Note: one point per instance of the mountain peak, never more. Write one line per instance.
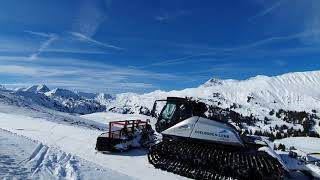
(62, 93)
(37, 89)
(213, 82)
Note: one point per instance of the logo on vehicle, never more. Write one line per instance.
(184, 127)
(223, 131)
(221, 134)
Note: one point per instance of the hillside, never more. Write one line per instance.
(58, 99)
(286, 105)
(47, 124)
(289, 101)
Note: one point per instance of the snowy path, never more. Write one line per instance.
(80, 142)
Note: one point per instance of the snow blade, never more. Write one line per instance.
(105, 144)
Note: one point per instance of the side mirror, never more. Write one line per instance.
(153, 111)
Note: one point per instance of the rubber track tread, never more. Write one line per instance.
(200, 161)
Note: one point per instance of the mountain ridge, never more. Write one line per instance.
(285, 100)
(275, 99)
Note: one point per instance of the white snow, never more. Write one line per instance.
(36, 89)
(306, 144)
(48, 143)
(62, 93)
(22, 158)
(275, 155)
(256, 97)
(80, 142)
(57, 99)
(293, 91)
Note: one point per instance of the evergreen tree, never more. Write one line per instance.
(278, 135)
(271, 113)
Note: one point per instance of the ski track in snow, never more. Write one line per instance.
(22, 158)
(54, 163)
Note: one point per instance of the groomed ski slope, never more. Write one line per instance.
(80, 142)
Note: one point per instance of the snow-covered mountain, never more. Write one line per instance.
(38, 142)
(2, 87)
(276, 100)
(294, 91)
(57, 99)
(288, 103)
(36, 89)
(62, 93)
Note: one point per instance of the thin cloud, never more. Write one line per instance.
(44, 45)
(276, 39)
(306, 14)
(42, 34)
(90, 17)
(166, 16)
(74, 50)
(268, 10)
(225, 53)
(62, 44)
(170, 61)
(162, 17)
(82, 75)
(85, 38)
(281, 63)
(183, 60)
(33, 71)
(18, 70)
(312, 22)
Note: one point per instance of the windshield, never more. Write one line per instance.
(168, 111)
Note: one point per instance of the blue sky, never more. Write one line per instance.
(140, 46)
